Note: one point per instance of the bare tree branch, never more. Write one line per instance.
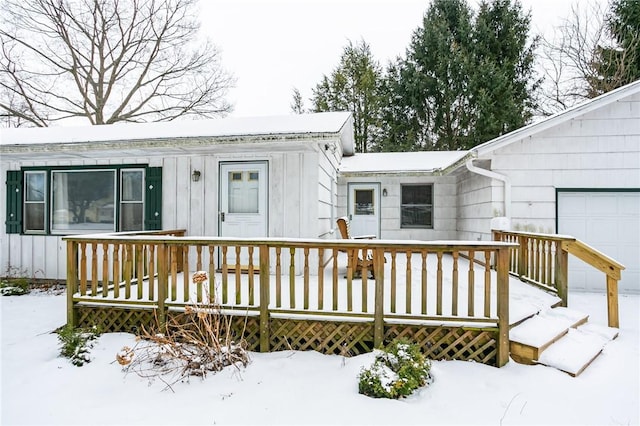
(107, 61)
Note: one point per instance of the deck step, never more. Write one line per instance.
(533, 336)
(577, 350)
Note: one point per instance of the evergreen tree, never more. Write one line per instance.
(297, 104)
(354, 86)
(465, 79)
(620, 64)
(503, 76)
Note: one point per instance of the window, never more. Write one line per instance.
(83, 200)
(131, 202)
(59, 200)
(34, 201)
(416, 208)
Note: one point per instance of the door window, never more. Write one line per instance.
(243, 191)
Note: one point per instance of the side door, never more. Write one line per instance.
(243, 203)
(364, 208)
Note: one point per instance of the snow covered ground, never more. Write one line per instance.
(289, 387)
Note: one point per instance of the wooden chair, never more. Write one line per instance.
(355, 261)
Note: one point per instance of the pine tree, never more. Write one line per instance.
(466, 79)
(297, 104)
(354, 86)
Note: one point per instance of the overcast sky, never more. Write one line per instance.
(272, 46)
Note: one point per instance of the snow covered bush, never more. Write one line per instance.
(76, 342)
(14, 286)
(396, 372)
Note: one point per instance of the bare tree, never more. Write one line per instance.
(107, 61)
(582, 59)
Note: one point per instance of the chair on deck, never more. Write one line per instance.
(355, 261)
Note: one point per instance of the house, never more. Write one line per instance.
(576, 173)
(231, 177)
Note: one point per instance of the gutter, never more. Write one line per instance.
(498, 176)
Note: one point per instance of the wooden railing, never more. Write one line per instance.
(542, 259)
(414, 281)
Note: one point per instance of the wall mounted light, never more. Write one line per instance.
(384, 192)
(195, 176)
(328, 146)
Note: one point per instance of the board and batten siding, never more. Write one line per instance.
(293, 188)
(444, 204)
(600, 149)
(328, 160)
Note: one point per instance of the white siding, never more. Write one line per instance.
(479, 199)
(300, 200)
(444, 205)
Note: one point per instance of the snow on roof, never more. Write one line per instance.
(558, 118)
(388, 162)
(326, 122)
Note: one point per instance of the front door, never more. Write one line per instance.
(243, 203)
(364, 208)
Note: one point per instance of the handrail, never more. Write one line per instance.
(541, 259)
(420, 282)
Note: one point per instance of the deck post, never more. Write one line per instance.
(502, 271)
(72, 281)
(265, 338)
(612, 302)
(378, 314)
(561, 273)
(163, 269)
(522, 255)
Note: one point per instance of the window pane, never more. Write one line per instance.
(416, 194)
(132, 185)
(416, 216)
(364, 202)
(83, 200)
(34, 217)
(35, 186)
(243, 194)
(131, 217)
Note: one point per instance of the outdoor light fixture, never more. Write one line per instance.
(384, 192)
(328, 147)
(195, 176)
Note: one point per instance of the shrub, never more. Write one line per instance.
(14, 286)
(76, 342)
(396, 372)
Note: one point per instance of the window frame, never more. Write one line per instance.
(49, 170)
(430, 206)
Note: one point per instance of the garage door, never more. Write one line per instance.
(608, 221)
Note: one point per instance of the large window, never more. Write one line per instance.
(61, 201)
(416, 209)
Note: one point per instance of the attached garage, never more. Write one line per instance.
(608, 220)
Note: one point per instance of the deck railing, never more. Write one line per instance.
(415, 282)
(542, 259)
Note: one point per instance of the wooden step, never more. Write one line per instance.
(577, 350)
(530, 339)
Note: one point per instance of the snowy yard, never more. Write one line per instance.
(38, 387)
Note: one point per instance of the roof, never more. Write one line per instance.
(558, 119)
(336, 123)
(400, 162)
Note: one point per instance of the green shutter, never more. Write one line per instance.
(153, 199)
(14, 201)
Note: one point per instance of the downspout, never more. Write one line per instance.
(498, 176)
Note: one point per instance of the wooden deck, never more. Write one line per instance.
(302, 294)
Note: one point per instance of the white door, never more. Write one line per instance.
(243, 204)
(609, 222)
(364, 208)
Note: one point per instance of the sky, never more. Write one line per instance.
(274, 46)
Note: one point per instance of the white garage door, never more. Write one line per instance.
(610, 222)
